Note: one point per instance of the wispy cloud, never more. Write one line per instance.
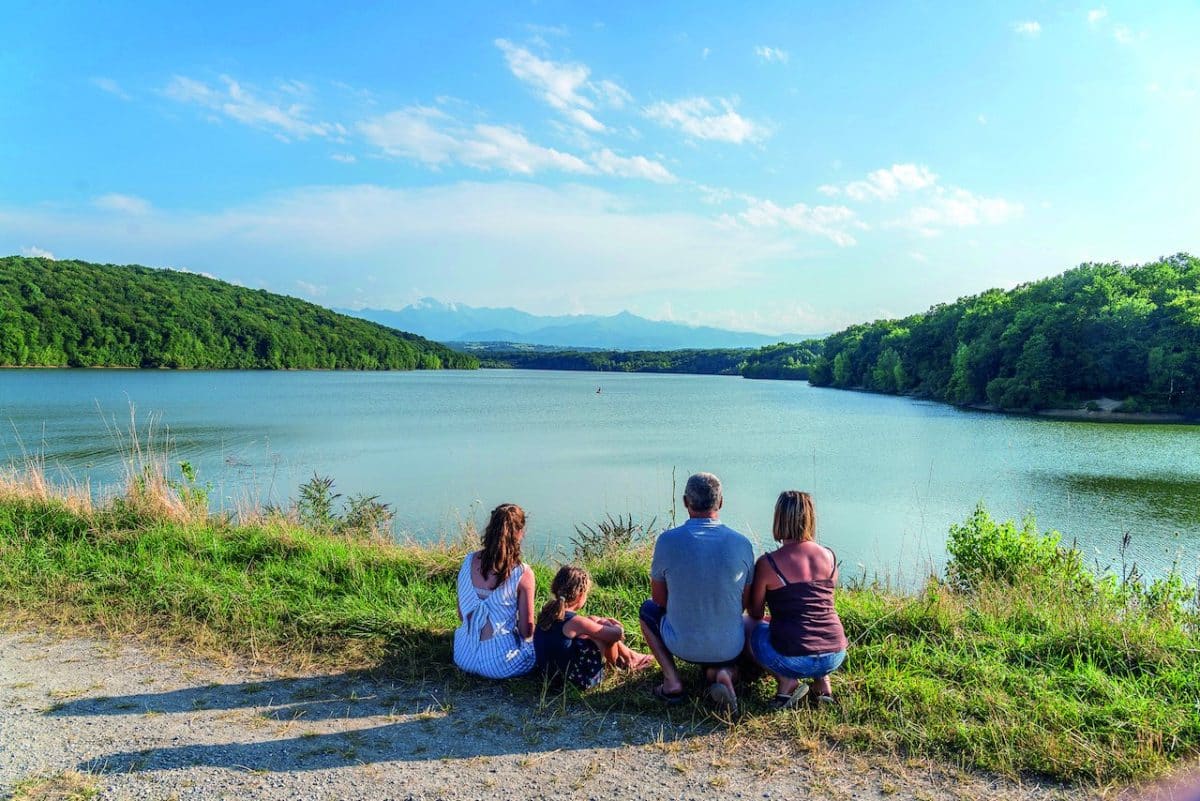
(610, 163)
(1029, 28)
(344, 158)
(565, 242)
(831, 222)
(1123, 34)
(312, 290)
(884, 184)
(110, 86)
(1096, 14)
(934, 207)
(244, 104)
(122, 204)
(432, 137)
(772, 54)
(953, 207)
(701, 118)
(34, 252)
(564, 86)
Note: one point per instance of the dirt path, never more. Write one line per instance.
(134, 723)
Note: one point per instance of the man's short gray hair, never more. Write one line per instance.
(703, 492)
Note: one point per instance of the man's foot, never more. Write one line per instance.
(670, 698)
(723, 697)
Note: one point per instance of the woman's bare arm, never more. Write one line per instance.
(525, 594)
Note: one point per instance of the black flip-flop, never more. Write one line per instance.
(670, 699)
(785, 701)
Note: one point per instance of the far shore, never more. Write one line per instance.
(1105, 414)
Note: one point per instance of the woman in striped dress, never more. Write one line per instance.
(495, 602)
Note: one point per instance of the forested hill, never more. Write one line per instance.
(1098, 330)
(76, 314)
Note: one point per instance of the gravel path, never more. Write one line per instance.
(142, 724)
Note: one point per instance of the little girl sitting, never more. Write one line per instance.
(578, 647)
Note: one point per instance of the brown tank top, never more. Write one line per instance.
(803, 620)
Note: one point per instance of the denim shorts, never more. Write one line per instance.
(791, 667)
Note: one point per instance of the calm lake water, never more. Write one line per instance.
(889, 474)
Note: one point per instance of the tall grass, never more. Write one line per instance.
(1018, 660)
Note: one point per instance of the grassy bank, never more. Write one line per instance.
(1017, 661)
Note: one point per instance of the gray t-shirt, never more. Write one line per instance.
(705, 565)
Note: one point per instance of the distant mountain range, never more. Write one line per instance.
(456, 322)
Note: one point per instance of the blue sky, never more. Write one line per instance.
(780, 167)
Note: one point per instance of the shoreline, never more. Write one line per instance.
(1079, 414)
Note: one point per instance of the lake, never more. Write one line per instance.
(889, 474)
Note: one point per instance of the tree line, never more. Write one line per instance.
(78, 314)
(1126, 332)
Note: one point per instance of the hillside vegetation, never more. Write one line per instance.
(1129, 333)
(77, 314)
(1098, 330)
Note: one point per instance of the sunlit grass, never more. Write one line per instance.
(1038, 673)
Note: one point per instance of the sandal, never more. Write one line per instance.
(821, 701)
(785, 701)
(670, 699)
(722, 697)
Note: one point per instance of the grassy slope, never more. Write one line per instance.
(1058, 682)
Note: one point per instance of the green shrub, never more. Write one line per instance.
(980, 548)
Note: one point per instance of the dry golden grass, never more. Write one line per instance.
(66, 786)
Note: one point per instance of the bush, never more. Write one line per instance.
(980, 549)
(611, 535)
(361, 516)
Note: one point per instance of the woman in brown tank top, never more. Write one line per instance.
(803, 638)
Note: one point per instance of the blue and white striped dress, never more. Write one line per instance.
(505, 654)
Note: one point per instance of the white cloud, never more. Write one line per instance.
(243, 105)
(699, 117)
(1030, 28)
(110, 86)
(1123, 34)
(507, 149)
(610, 163)
(35, 252)
(705, 53)
(312, 290)
(1096, 14)
(827, 221)
(432, 137)
(934, 207)
(122, 204)
(585, 120)
(344, 158)
(885, 184)
(954, 207)
(564, 86)
(481, 243)
(772, 54)
(613, 94)
(982, 119)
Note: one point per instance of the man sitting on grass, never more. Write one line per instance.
(699, 580)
